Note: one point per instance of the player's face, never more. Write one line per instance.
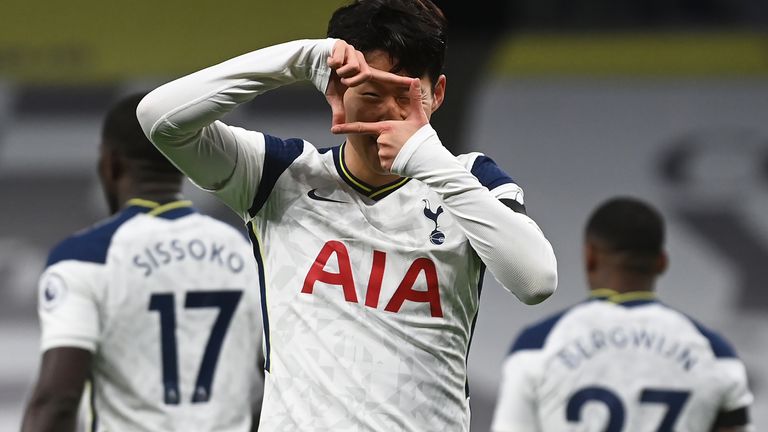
(373, 101)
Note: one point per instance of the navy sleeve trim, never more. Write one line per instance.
(278, 156)
(535, 336)
(489, 174)
(720, 347)
(92, 244)
(738, 417)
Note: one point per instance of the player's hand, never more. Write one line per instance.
(349, 69)
(392, 134)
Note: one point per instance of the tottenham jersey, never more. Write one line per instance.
(166, 300)
(620, 363)
(369, 294)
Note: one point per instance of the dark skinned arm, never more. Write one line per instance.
(54, 403)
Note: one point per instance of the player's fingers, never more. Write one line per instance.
(351, 63)
(337, 117)
(336, 59)
(337, 112)
(417, 109)
(364, 74)
(390, 78)
(375, 128)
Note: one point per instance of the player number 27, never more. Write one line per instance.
(226, 302)
(673, 399)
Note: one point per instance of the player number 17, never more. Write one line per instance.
(226, 302)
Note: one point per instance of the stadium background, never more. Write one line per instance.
(666, 100)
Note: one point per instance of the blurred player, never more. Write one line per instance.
(372, 253)
(156, 306)
(622, 361)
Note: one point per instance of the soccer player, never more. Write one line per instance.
(157, 307)
(371, 253)
(622, 361)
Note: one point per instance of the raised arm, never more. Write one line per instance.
(509, 243)
(182, 117)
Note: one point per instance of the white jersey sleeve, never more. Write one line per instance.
(498, 182)
(181, 117)
(517, 394)
(738, 394)
(509, 243)
(68, 305)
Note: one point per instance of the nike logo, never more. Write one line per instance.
(313, 194)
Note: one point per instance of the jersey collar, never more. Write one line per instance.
(632, 298)
(373, 192)
(169, 210)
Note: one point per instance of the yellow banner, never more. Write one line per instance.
(625, 54)
(80, 41)
(90, 41)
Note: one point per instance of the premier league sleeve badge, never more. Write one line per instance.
(53, 291)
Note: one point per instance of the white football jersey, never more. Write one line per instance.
(167, 301)
(370, 303)
(369, 294)
(620, 363)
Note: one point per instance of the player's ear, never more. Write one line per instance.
(110, 165)
(590, 257)
(438, 93)
(103, 166)
(662, 262)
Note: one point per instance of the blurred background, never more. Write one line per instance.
(578, 100)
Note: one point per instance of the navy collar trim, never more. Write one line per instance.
(373, 192)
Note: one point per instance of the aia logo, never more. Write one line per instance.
(422, 268)
(436, 236)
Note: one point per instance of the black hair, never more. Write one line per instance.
(122, 134)
(630, 227)
(412, 32)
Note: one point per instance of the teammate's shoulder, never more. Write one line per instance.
(90, 244)
(720, 346)
(534, 336)
(183, 212)
(222, 228)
